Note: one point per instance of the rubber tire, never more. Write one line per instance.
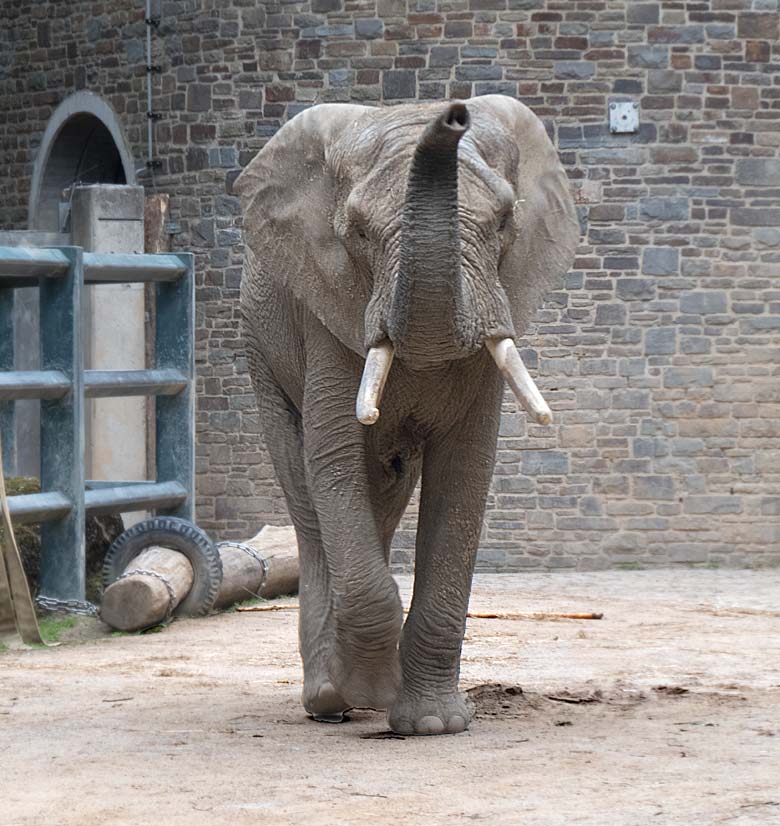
(179, 535)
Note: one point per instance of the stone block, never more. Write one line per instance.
(660, 261)
(369, 28)
(675, 34)
(704, 302)
(713, 504)
(644, 13)
(616, 156)
(655, 487)
(661, 341)
(631, 399)
(664, 80)
(399, 83)
(627, 86)
(695, 345)
(770, 506)
(495, 87)
(758, 171)
(574, 69)
(607, 212)
(635, 289)
(250, 99)
(610, 314)
(544, 462)
(767, 237)
(687, 552)
(444, 56)
(755, 217)
(585, 523)
(688, 377)
(664, 209)
(198, 97)
(721, 31)
(648, 57)
(758, 26)
(472, 72)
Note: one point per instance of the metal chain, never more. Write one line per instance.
(248, 549)
(165, 582)
(68, 606)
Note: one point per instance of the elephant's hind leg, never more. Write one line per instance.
(316, 631)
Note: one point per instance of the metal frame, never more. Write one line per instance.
(62, 384)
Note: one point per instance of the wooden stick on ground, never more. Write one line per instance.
(536, 615)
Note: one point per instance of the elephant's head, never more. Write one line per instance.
(424, 232)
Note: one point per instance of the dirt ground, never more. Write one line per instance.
(666, 711)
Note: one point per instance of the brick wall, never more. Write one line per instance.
(659, 354)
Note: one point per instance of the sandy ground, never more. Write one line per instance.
(667, 711)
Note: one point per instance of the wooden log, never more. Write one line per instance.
(143, 600)
(245, 576)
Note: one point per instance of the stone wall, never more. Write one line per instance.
(660, 352)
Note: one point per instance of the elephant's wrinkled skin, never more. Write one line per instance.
(430, 228)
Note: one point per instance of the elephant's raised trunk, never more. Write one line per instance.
(426, 319)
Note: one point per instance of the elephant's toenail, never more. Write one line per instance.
(430, 725)
(457, 724)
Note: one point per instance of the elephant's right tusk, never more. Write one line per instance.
(514, 371)
(372, 384)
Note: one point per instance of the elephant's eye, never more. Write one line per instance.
(361, 231)
(503, 222)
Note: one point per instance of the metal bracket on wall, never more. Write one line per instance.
(623, 117)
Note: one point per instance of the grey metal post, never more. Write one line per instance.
(7, 423)
(175, 347)
(62, 432)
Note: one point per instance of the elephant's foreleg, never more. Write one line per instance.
(457, 469)
(316, 629)
(364, 665)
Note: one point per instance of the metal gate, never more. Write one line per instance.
(62, 384)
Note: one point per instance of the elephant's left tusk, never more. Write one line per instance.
(514, 371)
(372, 384)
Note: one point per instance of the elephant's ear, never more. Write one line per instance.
(289, 197)
(547, 228)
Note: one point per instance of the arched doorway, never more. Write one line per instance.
(83, 143)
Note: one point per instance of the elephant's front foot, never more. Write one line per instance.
(323, 703)
(430, 714)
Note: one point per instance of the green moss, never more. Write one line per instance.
(52, 627)
(629, 566)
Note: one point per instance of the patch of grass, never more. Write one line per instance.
(52, 627)
(3, 648)
(629, 566)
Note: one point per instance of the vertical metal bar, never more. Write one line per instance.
(7, 423)
(175, 347)
(62, 432)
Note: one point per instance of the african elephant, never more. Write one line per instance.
(394, 253)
